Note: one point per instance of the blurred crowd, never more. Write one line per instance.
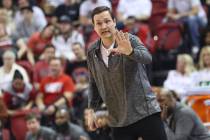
(43, 68)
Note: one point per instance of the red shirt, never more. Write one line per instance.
(14, 102)
(37, 43)
(53, 88)
(41, 70)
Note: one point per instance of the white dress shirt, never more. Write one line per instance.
(106, 52)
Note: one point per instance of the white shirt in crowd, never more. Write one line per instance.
(6, 78)
(178, 82)
(136, 8)
(37, 13)
(87, 6)
(63, 47)
(186, 5)
(201, 78)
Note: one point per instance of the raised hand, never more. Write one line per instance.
(123, 42)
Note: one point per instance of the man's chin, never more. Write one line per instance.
(107, 36)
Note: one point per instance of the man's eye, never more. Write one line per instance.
(99, 23)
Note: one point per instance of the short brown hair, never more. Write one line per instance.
(32, 116)
(99, 10)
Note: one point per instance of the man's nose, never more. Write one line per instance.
(104, 25)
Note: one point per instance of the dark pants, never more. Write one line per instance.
(149, 128)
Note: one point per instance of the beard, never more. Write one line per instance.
(63, 128)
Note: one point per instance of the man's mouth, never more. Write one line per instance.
(105, 32)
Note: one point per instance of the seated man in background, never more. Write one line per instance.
(36, 131)
(181, 122)
(41, 68)
(65, 129)
(55, 90)
(192, 14)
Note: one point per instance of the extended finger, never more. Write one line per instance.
(117, 36)
(126, 36)
(122, 35)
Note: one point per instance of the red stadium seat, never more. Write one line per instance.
(169, 36)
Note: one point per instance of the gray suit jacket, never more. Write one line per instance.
(123, 85)
(184, 124)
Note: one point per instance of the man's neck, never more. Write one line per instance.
(107, 42)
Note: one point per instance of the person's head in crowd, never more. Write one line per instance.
(56, 67)
(7, 4)
(185, 64)
(48, 31)
(130, 22)
(79, 51)
(62, 118)
(23, 3)
(167, 101)
(104, 22)
(49, 52)
(204, 58)
(27, 12)
(33, 123)
(65, 24)
(17, 81)
(8, 59)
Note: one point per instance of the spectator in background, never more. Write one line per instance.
(55, 90)
(79, 63)
(38, 14)
(86, 8)
(65, 129)
(7, 18)
(69, 8)
(201, 78)
(28, 25)
(179, 79)
(64, 41)
(18, 95)
(41, 68)
(38, 41)
(190, 13)
(78, 71)
(8, 69)
(181, 122)
(36, 131)
(7, 41)
(10, 6)
(140, 9)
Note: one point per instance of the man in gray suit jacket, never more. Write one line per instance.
(117, 77)
(181, 122)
